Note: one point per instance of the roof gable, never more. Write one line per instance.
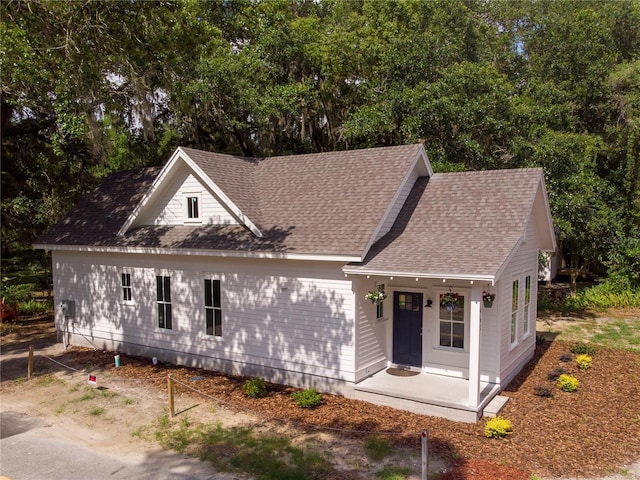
(324, 205)
(175, 167)
(458, 225)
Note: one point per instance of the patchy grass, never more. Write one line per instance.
(96, 412)
(618, 334)
(377, 447)
(270, 457)
(48, 380)
(611, 332)
(393, 473)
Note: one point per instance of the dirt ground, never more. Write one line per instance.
(591, 433)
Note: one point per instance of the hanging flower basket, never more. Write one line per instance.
(449, 300)
(376, 296)
(488, 298)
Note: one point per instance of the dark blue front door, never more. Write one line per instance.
(407, 328)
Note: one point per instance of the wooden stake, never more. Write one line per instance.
(425, 454)
(30, 362)
(171, 391)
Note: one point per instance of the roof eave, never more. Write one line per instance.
(351, 270)
(199, 252)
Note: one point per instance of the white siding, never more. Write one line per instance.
(373, 339)
(489, 341)
(523, 263)
(284, 320)
(371, 333)
(397, 206)
(168, 205)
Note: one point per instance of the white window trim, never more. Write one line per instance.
(186, 195)
(204, 333)
(526, 332)
(513, 344)
(121, 290)
(159, 329)
(466, 293)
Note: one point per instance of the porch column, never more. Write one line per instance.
(474, 346)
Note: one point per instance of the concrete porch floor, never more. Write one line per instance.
(426, 394)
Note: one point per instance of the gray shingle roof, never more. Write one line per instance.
(96, 219)
(325, 203)
(463, 224)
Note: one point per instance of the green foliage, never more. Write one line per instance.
(307, 398)
(568, 383)
(255, 388)
(34, 307)
(389, 472)
(17, 293)
(377, 447)
(482, 84)
(618, 334)
(582, 348)
(497, 427)
(584, 361)
(605, 295)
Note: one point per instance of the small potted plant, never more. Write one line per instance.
(376, 296)
(488, 298)
(449, 300)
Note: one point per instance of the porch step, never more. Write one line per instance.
(495, 405)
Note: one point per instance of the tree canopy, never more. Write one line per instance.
(90, 87)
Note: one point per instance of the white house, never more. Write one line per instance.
(261, 267)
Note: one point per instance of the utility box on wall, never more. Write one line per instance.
(68, 308)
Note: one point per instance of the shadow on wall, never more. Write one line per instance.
(288, 330)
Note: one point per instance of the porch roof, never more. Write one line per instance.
(456, 225)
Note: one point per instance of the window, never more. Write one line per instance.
(409, 302)
(192, 207)
(514, 311)
(527, 303)
(380, 305)
(163, 297)
(125, 281)
(212, 307)
(452, 324)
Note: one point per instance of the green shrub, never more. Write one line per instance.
(566, 357)
(17, 293)
(308, 398)
(567, 383)
(581, 348)
(583, 361)
(255, 388)
(497, 427)
(553, 376)
(33, 307)
(608, 294)
(542, 391)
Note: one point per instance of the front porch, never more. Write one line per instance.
(429, 394)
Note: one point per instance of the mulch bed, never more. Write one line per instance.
(593, 431)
